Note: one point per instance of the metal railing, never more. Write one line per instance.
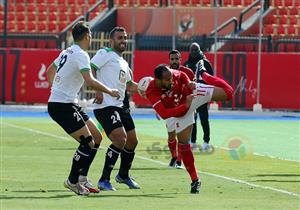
(224, 25)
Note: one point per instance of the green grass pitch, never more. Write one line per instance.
(36, 157)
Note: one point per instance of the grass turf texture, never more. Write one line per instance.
(34, 166)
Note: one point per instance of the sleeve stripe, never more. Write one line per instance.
(95, 66)
(55, 66)
(85, 70)
(156, 103)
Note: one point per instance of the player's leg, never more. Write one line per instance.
(109, 118)
(69, 118)
(203, 112)
(97, 139)
(194, 133)
(184, 129)
(128, 153)
(172, 142)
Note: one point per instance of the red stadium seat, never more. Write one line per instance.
(62, 2)
(31, 8)
(41, 26)
(1, 16)
(283, 19)
(62, 17)
(21, 26)
(11, 16)
(297, 3)
(62, 25)
(51, 44)
(92, 2)
(71, 2)
(293, 11)
(288, 3)
(280, 30)
(52, 27)
(42, 8)
(227, 3)
(31, 43)
(30, 1)
(73, 16)
(62, 10)
(11, 26)
(291, 30)
(269, 30)
(21, 17)
(80, 2)
(20, 7)
(206, 2)
(41, 44)
(40, 1)
(237, 2)
(52, 8)
(283, 11)
(31, 17)
(19, 43)
(52, 17)
(290, 47)
(1, 8)
(50, 1)
(247, 2)
(277, 3)
(42, 16)
(31, 26)
(293, 20)
(270, 19)
(11, 7)
(144, 3)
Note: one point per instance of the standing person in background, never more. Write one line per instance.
(175, 63)
(194, 57)
(112, 69)
(66, 75)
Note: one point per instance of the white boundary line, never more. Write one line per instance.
(165, 164)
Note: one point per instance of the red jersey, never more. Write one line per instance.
(170, 103)
(188, 72)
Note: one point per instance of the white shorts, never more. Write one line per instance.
(203, 95)
(170, 124)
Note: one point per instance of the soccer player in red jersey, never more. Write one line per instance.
(172, 94)
(175, 60)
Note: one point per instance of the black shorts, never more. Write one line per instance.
(69, 116)
(113, 117)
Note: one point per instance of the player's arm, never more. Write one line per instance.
(178, 111)
(51, 71)
(95, 84)
(132, 86)
(99, 94)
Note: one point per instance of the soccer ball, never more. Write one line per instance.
(143, 85)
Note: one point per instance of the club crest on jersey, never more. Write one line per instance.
(122, 76)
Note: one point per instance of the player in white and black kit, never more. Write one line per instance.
(67, 74)
(112, 70)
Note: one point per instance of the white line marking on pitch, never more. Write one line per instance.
(165, 164)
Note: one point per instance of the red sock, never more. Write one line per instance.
(172, 147)
(218, 82)
(188, 160)
(178, 153)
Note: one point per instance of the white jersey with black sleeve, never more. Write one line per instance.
(113, 71)
(68, 78)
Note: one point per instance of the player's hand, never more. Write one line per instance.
(192, 85)
(98, 98)
(115, 93)
(189, 100)
(142, 93)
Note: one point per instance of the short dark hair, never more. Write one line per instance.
(116, 29)
(159, 70)
(79, 30)
(174, 52)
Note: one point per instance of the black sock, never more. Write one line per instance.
(86, 168)
(111, 158)
(80, 159)
(126, 162)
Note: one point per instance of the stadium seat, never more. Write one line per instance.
(11, 16)
(92, 2)
(280, 30)
(42, 8)
(62, 10)
(11, 7)
(70, 2)
(52, 27)
(227, 3)
(41, 44)
(19, 43)
(297, 3)
(42, 16)
(293, 20)
(283, 19)
(73, 16)
(143, 3)
(40, 2)
(21, 26)
(283, 11)
(1, 16)
(205, 2)
(270, 19)
(62, 17)
(51, 44)
(52, 17)
(291, 30)
(269, 30)
(31, 8)
(31, 17)
(81, 2)
(293, 11)
(277, 3)
(62, 25)
(11, 26)
(61, 2)
(30, 1)
(20, 8)
(21, 16)
(50, 1)
(41, 26)
(52, 8)
(288, 3)
(31, 26)
(31, 43)
(1, 8)
(237, 2)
